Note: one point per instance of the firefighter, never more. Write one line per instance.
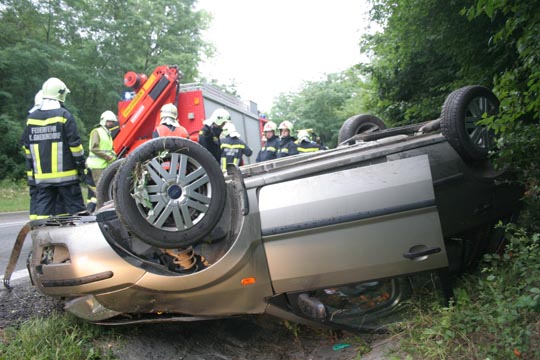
(168, 125)
(304, 144)
(101, 154)
(55, 153)
(211, 130)
(287, 145)
(271, 142)
(32, 189)
(232, 147)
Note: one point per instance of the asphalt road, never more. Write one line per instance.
(10, 224)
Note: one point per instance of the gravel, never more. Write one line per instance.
(247, 337)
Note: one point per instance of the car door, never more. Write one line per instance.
(353, 225)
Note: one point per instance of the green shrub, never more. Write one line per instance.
(496, 314)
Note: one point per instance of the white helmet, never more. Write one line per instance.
(270, 126)
(169, 115)
(220, 116)
(55, 89)
(303, 135)
(107, 116)
(230, 129)
(38, 98)
(286, 125)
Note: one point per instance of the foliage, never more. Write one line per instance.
(518, 86)
(427, 50)
(89, 45)
(496, 314)
(322, 105)
(57, 337)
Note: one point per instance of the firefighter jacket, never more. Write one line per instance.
(169, 130)
(101, 148)
(53, 147)
(209, 138)
(269, 150)
(306, 146)
(287, 147)
(232, 149)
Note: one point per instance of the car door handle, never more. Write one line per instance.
(421, 252)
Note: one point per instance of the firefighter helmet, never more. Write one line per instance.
(168, 115)
(220, 116)
(169, 110)
(286, 125)
(55, 89)
(270, 126)
(107, 116)
(230, 129)
(38, 98)
(303, 135)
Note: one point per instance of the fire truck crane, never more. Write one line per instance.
(139, 116)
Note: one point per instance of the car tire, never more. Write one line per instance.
(359, 124)
(104, 188)
(460, 112)
(170, 192)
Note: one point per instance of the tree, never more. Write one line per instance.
(322, 105)
(90, 45)
(427, 49)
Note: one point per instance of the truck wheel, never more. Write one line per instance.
(170, 192)
(104, 188)
(359, 124)
(461, 111)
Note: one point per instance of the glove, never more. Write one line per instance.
(81, 170)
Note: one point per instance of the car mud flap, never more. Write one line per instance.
(15, 253)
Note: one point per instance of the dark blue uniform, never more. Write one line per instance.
(209, 138)
(232, 150)
(287, 147)
(269, 150)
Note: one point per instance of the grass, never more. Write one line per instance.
(56, 337)
(14, 196)
(496, 314)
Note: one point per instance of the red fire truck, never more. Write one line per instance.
(139, 115)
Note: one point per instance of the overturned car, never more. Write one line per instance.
(323, 238)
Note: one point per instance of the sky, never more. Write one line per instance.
(268, 47)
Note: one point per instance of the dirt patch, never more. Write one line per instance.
(246, 337)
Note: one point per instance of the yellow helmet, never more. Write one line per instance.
(55, 89)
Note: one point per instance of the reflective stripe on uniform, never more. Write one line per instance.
(305, 150)
(233, 146)
(50, 121)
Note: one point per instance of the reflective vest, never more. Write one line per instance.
(164, 130)
(53, 146)
(105, 145)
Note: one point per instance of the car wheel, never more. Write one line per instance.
(359, 124)
(170, 192)
(460, 114)
(104, 188)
